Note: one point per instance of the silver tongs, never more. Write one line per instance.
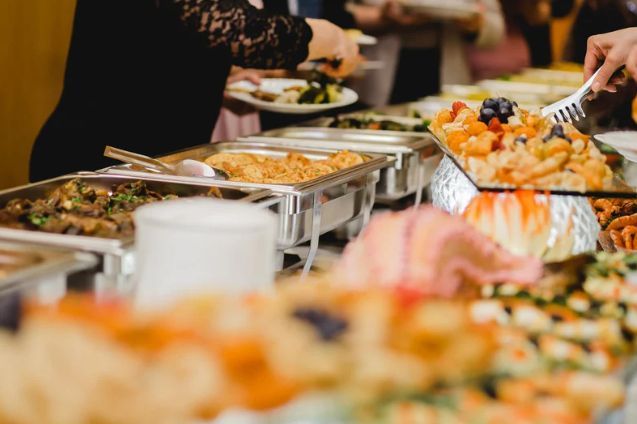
(185, 168)
(570, 108)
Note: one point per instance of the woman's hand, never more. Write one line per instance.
(240, 74)
(332, 43)
(613, 50)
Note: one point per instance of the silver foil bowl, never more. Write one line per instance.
(452, 191)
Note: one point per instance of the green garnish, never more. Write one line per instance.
(125, 197)
(37, 219)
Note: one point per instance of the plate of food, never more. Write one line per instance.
(501, 146)
(373, 121)
(293, 96)
(447, 10)
(361, 38)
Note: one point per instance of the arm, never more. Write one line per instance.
(258, 39)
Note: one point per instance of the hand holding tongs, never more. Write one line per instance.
(570, 108)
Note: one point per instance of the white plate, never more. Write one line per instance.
(241, 91)
(449, 9)
(625, 142)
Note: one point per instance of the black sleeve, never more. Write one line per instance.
(336, 12)
(255, 38)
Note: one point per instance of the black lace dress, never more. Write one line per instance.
(149, 75)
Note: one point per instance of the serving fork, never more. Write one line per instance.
(570, 109)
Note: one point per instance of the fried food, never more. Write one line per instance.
(503, 145)
(618, 219)
(294, 168)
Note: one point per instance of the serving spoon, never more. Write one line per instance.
(184, 168)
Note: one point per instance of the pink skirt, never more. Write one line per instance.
(510, 56)
(230, 126)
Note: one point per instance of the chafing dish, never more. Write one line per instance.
(306, 210)
(415, 154)
(29, 267)
(116, 255)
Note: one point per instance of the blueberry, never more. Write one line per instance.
(502, 100)
(327, 326)
(507, 104)
(505, 111)
(521, 139)
(487, 114)
(490, 104)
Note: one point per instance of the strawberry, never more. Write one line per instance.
(458, 106)
(495, 125)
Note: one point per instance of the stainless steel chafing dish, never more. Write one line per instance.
(306, 210)
(116, 255)
(43, 270)
(415, 154)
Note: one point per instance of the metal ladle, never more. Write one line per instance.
(185, 168)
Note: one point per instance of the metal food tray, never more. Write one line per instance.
(374, 116)
(619, 187)
(306, 210)
(415, 154)
(117, 260)
(24, 265)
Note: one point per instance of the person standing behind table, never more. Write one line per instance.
(527, 41)
(608, 111)
(534, 20)
(598, 17)
(345, 14)
(149, 75)
(434, 55)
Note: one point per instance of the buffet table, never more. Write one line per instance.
(502, 308)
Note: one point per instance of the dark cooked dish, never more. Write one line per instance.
(77, 208)
(377, 124)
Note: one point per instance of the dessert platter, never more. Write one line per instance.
(501, 146)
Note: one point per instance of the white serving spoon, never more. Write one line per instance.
(185, 168)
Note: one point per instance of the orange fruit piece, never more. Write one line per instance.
(477, 128)
(455, 139)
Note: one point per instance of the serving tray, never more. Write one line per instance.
(619, 188)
